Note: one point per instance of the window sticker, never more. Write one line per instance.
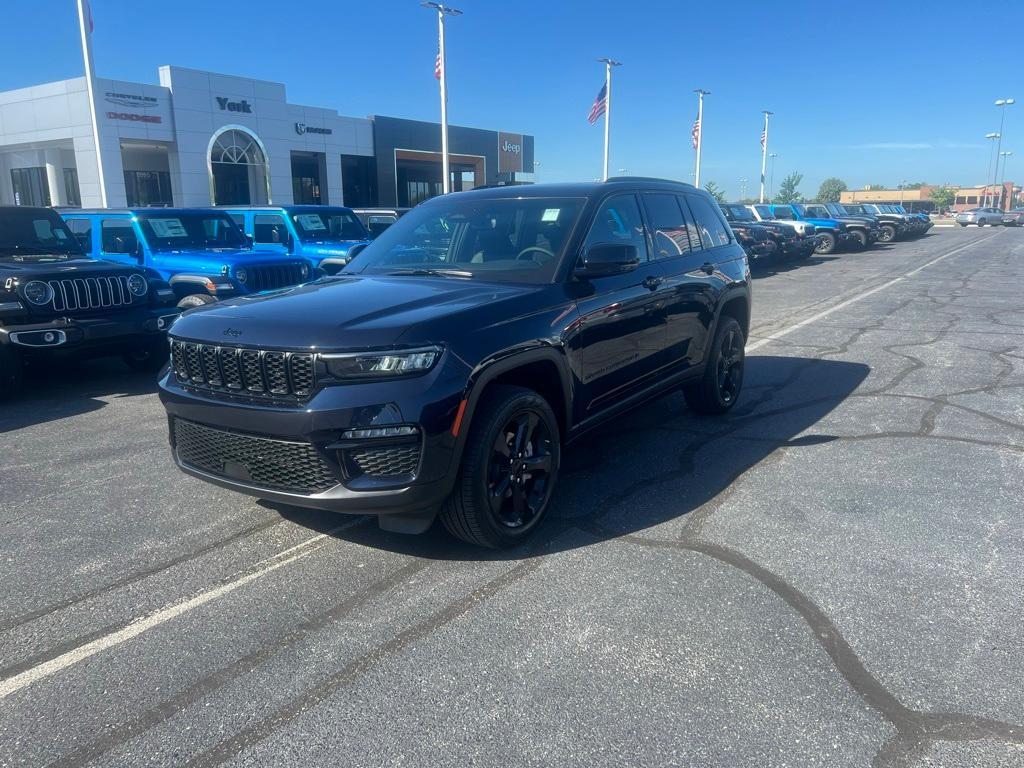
(311, 222)
(168, 228)
(550, 214)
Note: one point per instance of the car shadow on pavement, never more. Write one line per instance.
(656, 464)
(65, 388)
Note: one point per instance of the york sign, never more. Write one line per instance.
(510, 152)
(227, 105)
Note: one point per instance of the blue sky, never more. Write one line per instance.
(853, 97)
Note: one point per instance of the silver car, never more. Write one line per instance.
(1014, 218)
(980, 216)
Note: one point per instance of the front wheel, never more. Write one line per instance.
(149, 356)
(719, 388)
(888, 233)
(508, 472)
(826, 243)
(11, 372)
(861, 238)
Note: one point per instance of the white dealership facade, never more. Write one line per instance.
(201, 138)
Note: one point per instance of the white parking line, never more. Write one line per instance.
(854, 299)
(146, 623)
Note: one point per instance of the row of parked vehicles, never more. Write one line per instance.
(796, 231)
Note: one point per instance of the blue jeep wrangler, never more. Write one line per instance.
(830, 233)
(328, 236)
(200, 252)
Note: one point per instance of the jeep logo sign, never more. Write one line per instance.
(227, 105)
(510, 153)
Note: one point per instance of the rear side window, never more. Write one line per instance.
(618, 221)
(712, 228)
(268, 228)
(117, 236)
(668, 226)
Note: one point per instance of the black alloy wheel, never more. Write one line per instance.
(862, 239)
(719, 389)
(509, 469)
(888, 233)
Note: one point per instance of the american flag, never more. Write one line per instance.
(600, 105)
(695, 133)
(764, 137)
(437, 65)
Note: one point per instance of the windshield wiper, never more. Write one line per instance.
(34, 250)
(431, 272)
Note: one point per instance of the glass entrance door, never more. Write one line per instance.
(30, 186)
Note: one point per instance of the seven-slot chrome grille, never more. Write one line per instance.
(270, 276)
(258, 373)
(80, 294)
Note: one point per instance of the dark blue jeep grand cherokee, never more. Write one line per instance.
(445, 368)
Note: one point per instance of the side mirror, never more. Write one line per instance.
(289, 242)
(248, 240)
(606, 259)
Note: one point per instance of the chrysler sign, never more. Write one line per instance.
(510, 153)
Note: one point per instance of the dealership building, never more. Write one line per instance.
(201, 138)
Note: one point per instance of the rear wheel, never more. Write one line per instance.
(148, 356)
(719, 388)
(196, 300)
(888, 233)
(11, 372)
(826, 243)
(508, 472)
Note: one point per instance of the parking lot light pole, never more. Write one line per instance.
(1002, 104)
(988, 173)
(1002, 178)
(771, 176)
(442, 11)
(608, 64)
(764, 150)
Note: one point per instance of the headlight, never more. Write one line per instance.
(241, 275)
(38, 292)
(137, 285)
(304, 271)
(365, 365)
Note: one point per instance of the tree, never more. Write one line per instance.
(943, 197)
(913, 185)
(876, 187)
(830, 190)
(788, 192)
(716, 192)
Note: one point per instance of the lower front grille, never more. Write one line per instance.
(387, 461)
(264, 462)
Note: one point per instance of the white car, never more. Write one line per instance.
(980, 216)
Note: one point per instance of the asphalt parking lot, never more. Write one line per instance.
(833, 575)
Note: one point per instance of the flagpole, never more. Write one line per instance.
(442, 11)
(84, 26)
(764, 152)
(700, 133)
(608, 64)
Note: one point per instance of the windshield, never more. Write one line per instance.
(28, 233)
(328, 226)
(191, 231)
(737, 213)
(507, 240)
(783, 212)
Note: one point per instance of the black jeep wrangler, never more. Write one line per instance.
(56, 300)
(446, 374)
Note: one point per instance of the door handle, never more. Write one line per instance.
(707, 268)
(651, 282)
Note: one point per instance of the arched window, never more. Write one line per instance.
(239, 173)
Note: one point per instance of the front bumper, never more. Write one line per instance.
(86, 333)
(255, 446)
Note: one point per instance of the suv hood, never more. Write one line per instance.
(326, 250)
(64, 268)
(342, 312)
(232, 257)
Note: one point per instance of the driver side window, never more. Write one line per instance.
(618, 221)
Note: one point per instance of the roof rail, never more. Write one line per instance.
(647, 178)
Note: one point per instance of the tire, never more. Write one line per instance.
(862, 240)
(719, 388)
(962, 224)
(826, 244)
(888, 233)
(981, 223)
(11, 372)
(475, 512)
(196, 300)
(149, 356)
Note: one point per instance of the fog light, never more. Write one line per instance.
(375, 432)
(49, 337)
